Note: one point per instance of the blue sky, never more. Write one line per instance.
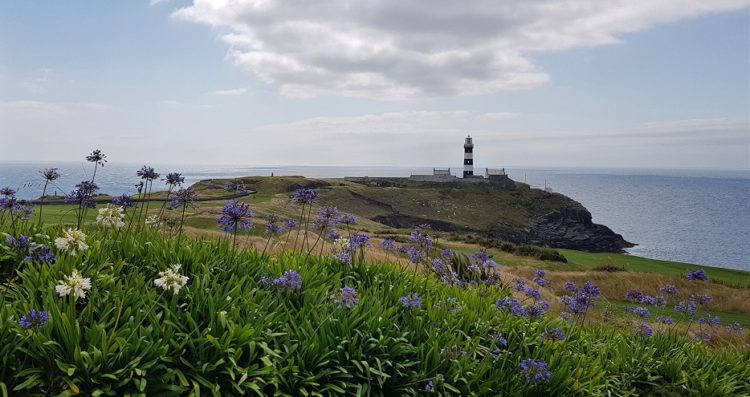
(395, 83)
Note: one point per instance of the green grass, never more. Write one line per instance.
(226, 333)
(587, 260)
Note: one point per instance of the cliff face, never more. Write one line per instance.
(514, 213)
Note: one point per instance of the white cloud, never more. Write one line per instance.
(230, 92)
(30, 110)
(393, 49)
(155, 2)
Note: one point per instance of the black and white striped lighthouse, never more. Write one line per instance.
(468, 157)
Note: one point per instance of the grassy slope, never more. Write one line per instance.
(227, 334)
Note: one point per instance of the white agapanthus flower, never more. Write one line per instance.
(342, 244)
(111, 216)
(74, 285)
(73, 241)
(171, 278)
(152, 221)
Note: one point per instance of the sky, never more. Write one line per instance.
(577, 83)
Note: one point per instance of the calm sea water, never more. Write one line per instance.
(689, 216)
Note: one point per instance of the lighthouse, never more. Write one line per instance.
(468, 158)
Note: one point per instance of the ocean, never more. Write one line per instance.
(698, 217)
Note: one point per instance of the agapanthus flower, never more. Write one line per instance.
(712, 321)
(124, 201)
(291, 224)
(73, 285)
(304, 195)
(535, 371)
(537, 310)
(411, 301)
(344, 257)
(634, 296)
(235, 216)
(183, 197)
(40, 253)
(430, 386)
(174, 179)
(689, 308)
(511, 305)
(532, 293)
(34, 319)
(348, 219)
(415, 255)
(72, 241)
(83, 194)
(501, 340)
(50, 174)
(359, 240)
(333, 235)
(735, 328)
(553, 334)
(703, 299)
(346, 298)
(570, 287)
(273, 225)
(639, 311)
(139, 187)
(111, 216)
(147, 173)
(702, 336)
(171, 279)
(439, 266)
(22, 243)
(7, 191)
(520, 285)
(288, 282)
(669, 289)
(326, 217)
(153, 221)
(539, 279)
(447, 253)
(21, 211)
(582, 299)
(97, 157)
(697, 275)
(644, 329)
(420, 238)
(665, 320)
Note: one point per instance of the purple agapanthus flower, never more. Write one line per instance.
(510, 305)
(34, 319)
(439, 266)
(291, 224)
(147, 173)
(689, 308)
(581, 299)
(388, 245)
(346, 298)
(411, 301)
(570, 287)
(553, 334)
(288, 282)
(304, 195)
(669, 289)
(22, 243)
(343, 257)
(348, 219)
(327, 217)
(124, 201)
(703, 299)
(665, 320)
(183, 198)
(639, 311)
(535, 371)
(448, 254)
(273, 225)
(537, 310)
(430, 386)
(97, 157)
(645, 330)
(697, 275)
(83, 194)
(40, 253)
(7, 191)
(712, 321)
(235, 216)
(539, 279)
(333, 234)
(634, 296)
(359, 240)
(735, 328)
(174, 179)
(420, 238)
